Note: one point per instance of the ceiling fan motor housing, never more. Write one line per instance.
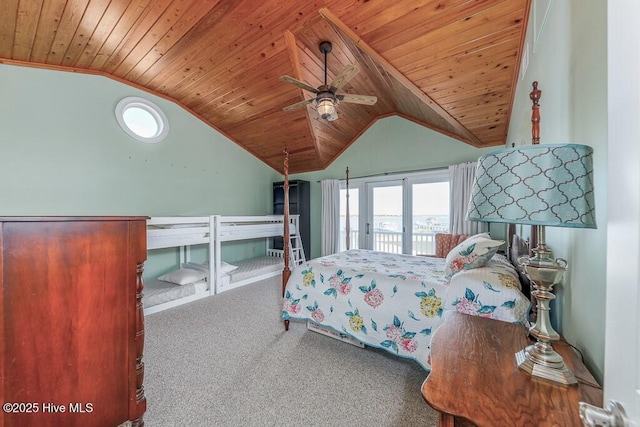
(325, 47)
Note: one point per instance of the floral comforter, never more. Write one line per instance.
(396, 302)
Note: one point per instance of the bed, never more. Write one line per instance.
(191, 280)
(235, 228)
(183, 284)
(396, 302)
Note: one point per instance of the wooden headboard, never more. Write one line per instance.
(519, 246)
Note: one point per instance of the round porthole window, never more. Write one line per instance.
(142, 119)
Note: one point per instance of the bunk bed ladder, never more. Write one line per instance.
(296, 250)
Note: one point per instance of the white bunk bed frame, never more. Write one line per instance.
(184, 232)
(234, 228)
(180, 232)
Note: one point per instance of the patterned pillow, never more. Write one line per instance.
(474, 252)
(492, 291)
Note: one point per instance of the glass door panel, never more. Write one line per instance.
(385, 217)
(430, 215)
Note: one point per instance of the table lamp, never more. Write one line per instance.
(541, 185)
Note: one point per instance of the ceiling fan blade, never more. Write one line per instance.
(298, 83)
(344, 76)
(298, 104)
(357, 99)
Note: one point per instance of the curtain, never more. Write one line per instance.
(330, 216)
(461, 179)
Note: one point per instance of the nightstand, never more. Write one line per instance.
(474, 379)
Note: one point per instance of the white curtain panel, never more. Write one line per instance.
(461, 179)
(330, 216)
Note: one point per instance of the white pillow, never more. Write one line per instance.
(225, 267)
(183, 276)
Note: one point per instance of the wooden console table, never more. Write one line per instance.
(474, 379)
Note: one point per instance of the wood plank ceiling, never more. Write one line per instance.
(450, 65)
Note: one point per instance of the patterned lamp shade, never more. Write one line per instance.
(546, 184)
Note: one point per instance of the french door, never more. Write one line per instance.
(385, 228)
(402, 214)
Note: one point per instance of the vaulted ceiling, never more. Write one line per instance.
(449, 65)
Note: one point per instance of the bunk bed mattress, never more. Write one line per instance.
(254, 267)
(157, 292)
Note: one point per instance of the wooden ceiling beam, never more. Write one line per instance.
(345, 31)
(292, 49)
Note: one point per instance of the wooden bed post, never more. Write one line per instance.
(535, 114)
(347, 224)
(286, 272)
(535, 140)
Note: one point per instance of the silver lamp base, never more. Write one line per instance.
(554, 371)
(540, 359)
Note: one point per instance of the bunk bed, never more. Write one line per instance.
(177, 232)
(193, 280)
(244, 272)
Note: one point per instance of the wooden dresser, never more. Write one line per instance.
(71, 321)
(474, 379)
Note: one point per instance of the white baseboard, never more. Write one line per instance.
(233, 285)
(175, 303)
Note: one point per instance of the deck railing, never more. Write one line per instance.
(391, 241)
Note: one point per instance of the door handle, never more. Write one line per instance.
(613, 415)
(367, 228)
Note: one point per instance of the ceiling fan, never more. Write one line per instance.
(327, 96)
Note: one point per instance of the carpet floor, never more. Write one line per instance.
(226, 360)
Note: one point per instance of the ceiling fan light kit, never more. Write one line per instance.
(326, 108)
(327, 98)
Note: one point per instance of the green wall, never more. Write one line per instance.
(392, 144)
(568, 58)
(62, 152)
